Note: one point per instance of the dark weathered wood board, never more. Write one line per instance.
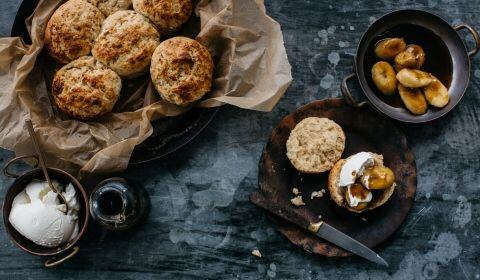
(364, 130)
(201, 223)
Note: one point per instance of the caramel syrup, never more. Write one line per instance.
(438, 60)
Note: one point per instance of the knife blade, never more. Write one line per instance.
(344, 241)
(319, 228)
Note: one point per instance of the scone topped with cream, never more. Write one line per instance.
(361, 182)
(315, 144)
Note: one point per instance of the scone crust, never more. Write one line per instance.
(181, 70)
(315, 144)
(167, 15)
(85, 88)
(126, 43)
(108, 7)
(338, 193)
(71, 30)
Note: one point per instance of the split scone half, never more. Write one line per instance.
(315, 144)
(361, 182)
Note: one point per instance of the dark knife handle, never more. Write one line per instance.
(285, 211)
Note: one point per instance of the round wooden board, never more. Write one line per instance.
(365, 130)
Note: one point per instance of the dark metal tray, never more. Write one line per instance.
(169, 134)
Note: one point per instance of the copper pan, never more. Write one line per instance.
(63, 252)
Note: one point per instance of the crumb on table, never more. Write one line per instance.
(256, 253)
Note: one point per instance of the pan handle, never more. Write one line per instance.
(7, 173)
(348, 96)
(54, 261)
(475, 35)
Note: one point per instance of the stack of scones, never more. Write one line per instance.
(102, 42)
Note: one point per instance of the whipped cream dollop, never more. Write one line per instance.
(353, 200)
(354, 167)
(38, 215)
(365, 180)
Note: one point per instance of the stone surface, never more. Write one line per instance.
(202, 225)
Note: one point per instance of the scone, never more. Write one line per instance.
(361, 182)
(126, 43)
(71, 30)
(85, 88)
(181, 70)
(315, 144)
(108, 7)
(167, 15)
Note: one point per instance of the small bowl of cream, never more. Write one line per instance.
(38, 221)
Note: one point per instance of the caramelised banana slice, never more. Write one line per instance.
(413, 99)
(377, 178)
(436, 94)
(412, 57)
(357, 196)
(384, 78)
(414, 78)
(388, 48)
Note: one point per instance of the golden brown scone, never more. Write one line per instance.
(85, 88)
(126, 43)
(167, 15)
(181, 70)
(338, 193)
(72, 29)
(315, 144)
(108, 7)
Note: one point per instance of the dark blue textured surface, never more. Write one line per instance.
(201, 223)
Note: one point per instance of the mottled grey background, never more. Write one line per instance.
(202, 225)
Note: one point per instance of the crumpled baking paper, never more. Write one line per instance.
(251, 71)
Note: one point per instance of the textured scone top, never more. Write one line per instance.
(167, 15)
(85, 88)
(181, 70)
(109, 7)
(315, 144)
(126, 43)
(72, 29)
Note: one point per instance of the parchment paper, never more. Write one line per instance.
(251, 72)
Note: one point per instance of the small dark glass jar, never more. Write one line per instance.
(117, 204)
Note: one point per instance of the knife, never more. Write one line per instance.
(319, 228)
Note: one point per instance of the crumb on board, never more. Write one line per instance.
(316, 194)
(364, 219)
(319, 216)
(297, 201)
(319, 193)
(256, 253)
(295, 191)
